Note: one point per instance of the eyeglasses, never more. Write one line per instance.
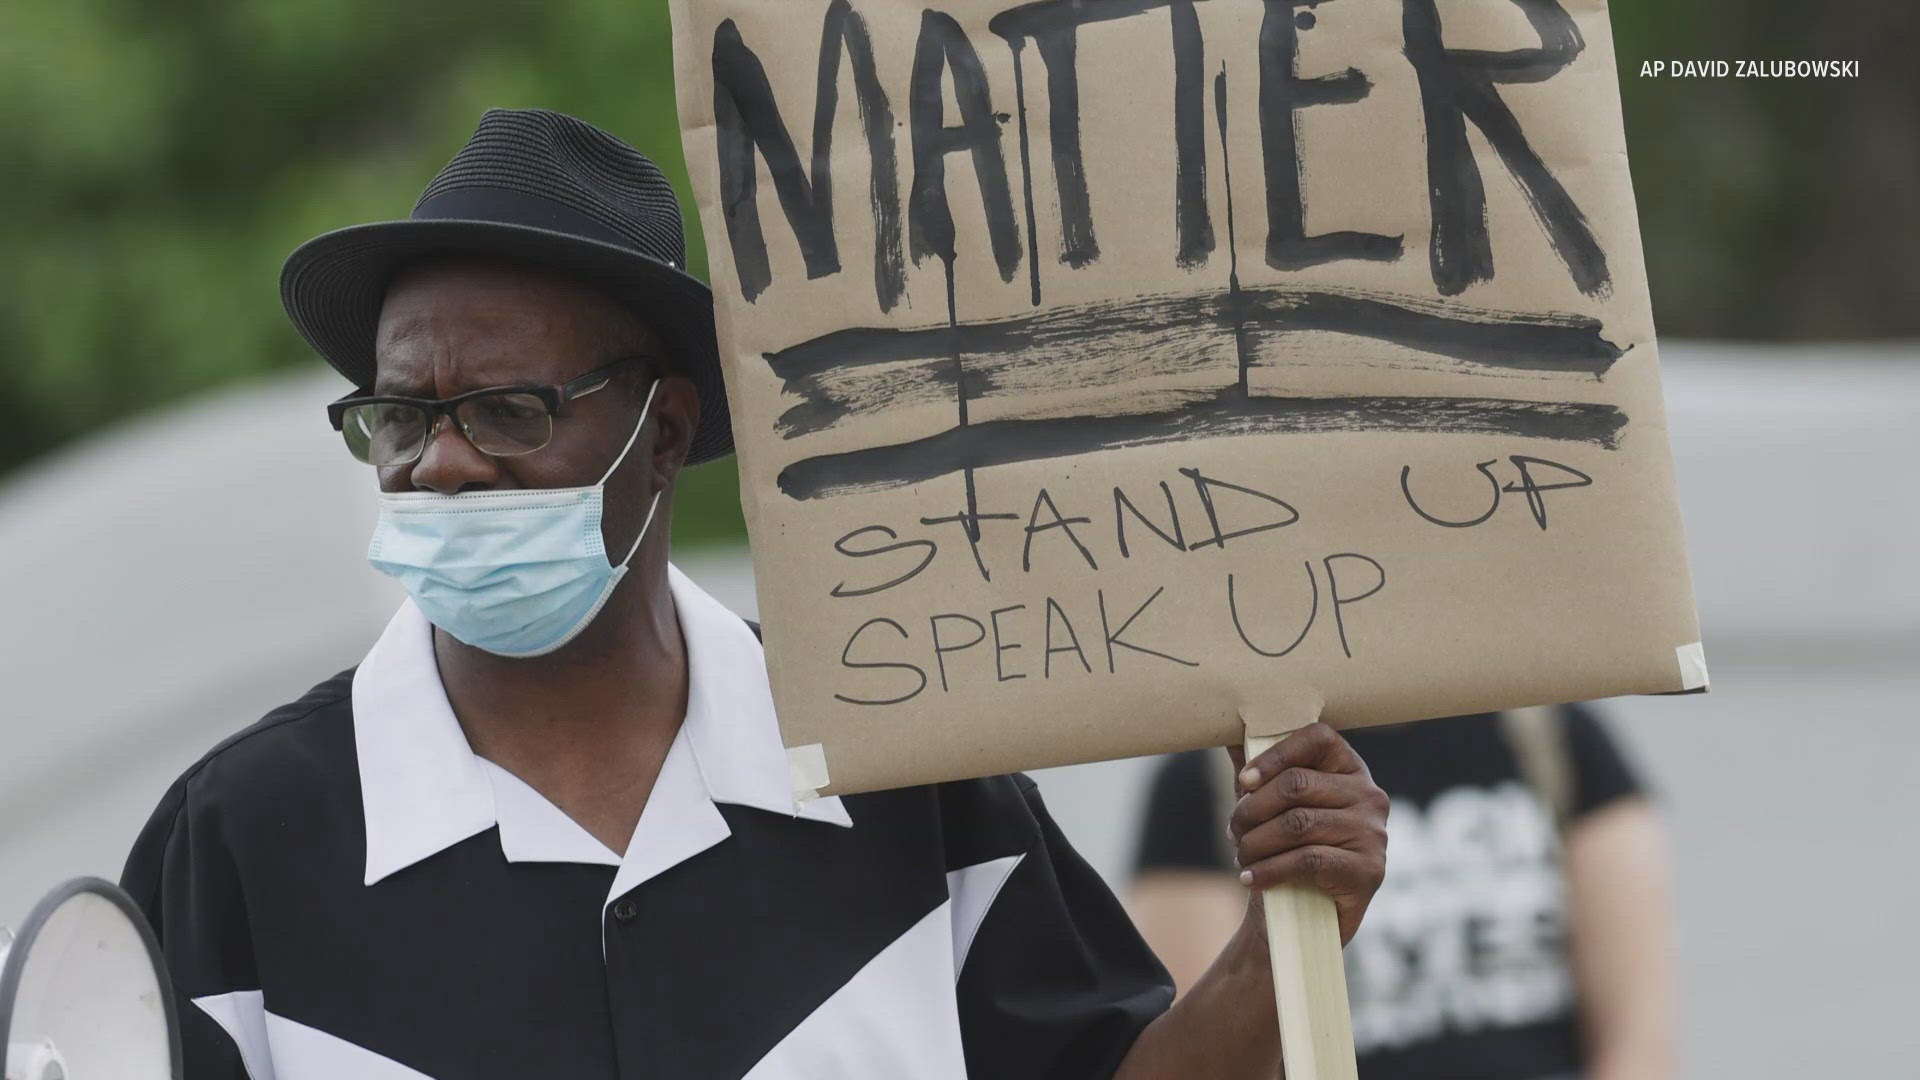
(386, 430)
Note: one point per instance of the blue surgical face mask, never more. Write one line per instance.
(516, 573)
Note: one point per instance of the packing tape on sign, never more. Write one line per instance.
(807, 770)
(1693, 666)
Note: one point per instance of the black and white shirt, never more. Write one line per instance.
(345, 889)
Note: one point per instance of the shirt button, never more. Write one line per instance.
(624, 911)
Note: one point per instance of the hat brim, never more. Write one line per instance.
(334, 285)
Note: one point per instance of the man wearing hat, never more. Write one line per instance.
(545, 828)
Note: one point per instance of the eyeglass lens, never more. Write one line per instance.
(503, 425)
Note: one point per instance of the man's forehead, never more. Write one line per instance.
(471, 323)
(488, 349)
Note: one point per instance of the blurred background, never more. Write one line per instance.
(180, 533)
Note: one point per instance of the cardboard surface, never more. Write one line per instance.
(1105, 373)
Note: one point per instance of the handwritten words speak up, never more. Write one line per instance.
(1217, 512)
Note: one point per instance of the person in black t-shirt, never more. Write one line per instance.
(1522, 930)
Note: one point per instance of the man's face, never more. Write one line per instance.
(448, 328)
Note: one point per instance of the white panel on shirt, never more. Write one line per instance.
(243, 1015)
(276, 1048)
(870, 1029)
(972, 890)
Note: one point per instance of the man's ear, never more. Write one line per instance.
(676, 410)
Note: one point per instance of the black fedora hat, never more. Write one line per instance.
(538, 187)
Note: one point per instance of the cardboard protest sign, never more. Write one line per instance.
(1106, 374)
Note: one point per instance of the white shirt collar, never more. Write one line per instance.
(423, 789)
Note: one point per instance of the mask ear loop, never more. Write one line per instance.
(644, 526)
(631, 439)
(655, 504)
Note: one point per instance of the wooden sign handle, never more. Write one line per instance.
(1309, 978)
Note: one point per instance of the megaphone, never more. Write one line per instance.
(84, 993)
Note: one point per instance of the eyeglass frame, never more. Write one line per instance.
(550, 395)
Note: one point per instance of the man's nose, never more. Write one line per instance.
(449, 463)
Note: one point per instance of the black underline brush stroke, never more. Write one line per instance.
(1227, 414)
(1040, 354)
(1482, 337)
(870, 370)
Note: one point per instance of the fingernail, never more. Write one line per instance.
(1249, 778)
(1246, 877)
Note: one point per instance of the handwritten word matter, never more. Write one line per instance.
(1457, 87)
